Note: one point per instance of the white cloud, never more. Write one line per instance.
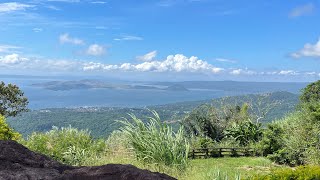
(288, 72)
(8, 48)
(95, 50)
(309, 50)
(11, 59)
(129, 38)
(148, 57)
(65, 38)
(242, 72)
(18, 62)
(37, 30)
(13, 6)
(225, 60)
(173, 63)
(302, 10)
(310, 73)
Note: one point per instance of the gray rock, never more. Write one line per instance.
(19, 163)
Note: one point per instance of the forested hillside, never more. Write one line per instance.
(101, 121)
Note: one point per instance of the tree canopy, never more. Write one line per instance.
(12, 100)
(311, 92)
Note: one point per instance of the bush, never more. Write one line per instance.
(299, 173)
(67, 145)
(272, 139)
(245, 132)
(156, 143)
(6, 132)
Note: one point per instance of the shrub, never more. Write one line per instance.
(6, 132)
(156, 143)
(67, 145)
(299, 173)
(245, 132)
(272, 139)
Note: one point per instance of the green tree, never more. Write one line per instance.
(6, 133)
(311, 92)
(12, 100)
(208, 121)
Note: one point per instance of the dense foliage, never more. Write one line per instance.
(67, 145)
(6, 132)
(311, 92)
(219, 124)
(12, 100)
(156, 143)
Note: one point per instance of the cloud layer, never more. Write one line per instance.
(172, 64)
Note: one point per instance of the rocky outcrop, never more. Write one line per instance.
(19, 163)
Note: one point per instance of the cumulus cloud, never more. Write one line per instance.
(13, 6)
(309, 50)
(173, 63)
(12, 59)
(95, 50)
(65, 38)
(148, 57)
(128, 38)
(18, 62)
(302, 10)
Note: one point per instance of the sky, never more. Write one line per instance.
(162, 40)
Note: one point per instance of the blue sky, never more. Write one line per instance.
(162, 39)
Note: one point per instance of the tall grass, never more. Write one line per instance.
(154, 142)
(67, 145)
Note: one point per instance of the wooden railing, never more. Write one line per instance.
(220, 152)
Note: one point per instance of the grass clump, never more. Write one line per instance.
(154, 142)
(67, 145)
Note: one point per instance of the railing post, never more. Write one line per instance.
(207, 153)
(193, 155)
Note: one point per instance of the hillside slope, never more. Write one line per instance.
(101, 121)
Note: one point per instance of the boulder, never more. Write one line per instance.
(19, 163)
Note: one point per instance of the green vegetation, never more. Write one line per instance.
(299, 173)
(156, 143)
(153, 144)
(311, 92)
(6, 132)
(12, 100)
(101, 120)
(67, 145)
